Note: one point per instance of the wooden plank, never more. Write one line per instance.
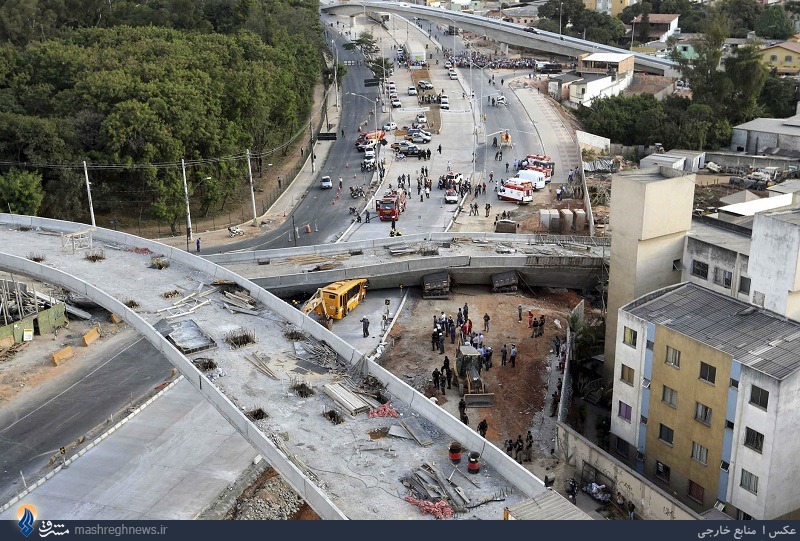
(233, 308)
(415, 429)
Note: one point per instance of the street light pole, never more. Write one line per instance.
(188, 213)
(89, 192)
(560, 9)
(252, 191)
(336, 72)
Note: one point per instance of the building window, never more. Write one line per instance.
(627, 374)
(673, 357)
(622, 447)
(662, 471)
(759, 397)
(702, 413)
(753, 439)
(699, 453)
(744, 285)
(729, 424)
(773, 58)
(708, 373)
(722, 277)
(700, 269)
(749, 482)
(629, 337)
(735, 383)
(787, 58)
(624, 411)
(696, 492)
(669, 396)
(649, 345)
(666, 434)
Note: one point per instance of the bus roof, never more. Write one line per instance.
(342, 286)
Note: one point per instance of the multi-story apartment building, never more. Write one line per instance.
(705, 398)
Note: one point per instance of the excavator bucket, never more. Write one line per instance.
(479, 400)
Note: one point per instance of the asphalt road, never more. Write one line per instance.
(57, 413)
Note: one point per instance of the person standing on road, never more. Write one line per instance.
(541, 325)
(466, 313)
(441, 342)
(503, 355)
(486, 319)
(198, 245)
(513, 355)
(488, 209)
(366, 216)
(365, 326)
(341, 183)
(436, 375)
(506, 167)
(535, 332)
(448, 374)
(519, 312)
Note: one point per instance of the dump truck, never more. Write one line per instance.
(436, 285)
(470, 384)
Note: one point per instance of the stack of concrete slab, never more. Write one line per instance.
(566, 220)
(580, 219)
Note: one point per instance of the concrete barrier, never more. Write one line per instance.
(90, 337)
(63, 355)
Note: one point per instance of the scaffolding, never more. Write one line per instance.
(77, 240)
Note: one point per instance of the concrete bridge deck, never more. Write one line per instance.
(504, 32)
(326, 464)
(471, 258)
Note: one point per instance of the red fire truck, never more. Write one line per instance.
(391, 204)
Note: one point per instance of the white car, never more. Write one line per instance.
(326, 182)
(448, 65)
(501, 100)
(419, 138)
(396, 103)
(422, 119)
(369, 157)
(389, 126)
(445, 102)
(412, 91)
(453, 74)
(450, 196)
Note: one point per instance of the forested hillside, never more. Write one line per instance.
(124, 84)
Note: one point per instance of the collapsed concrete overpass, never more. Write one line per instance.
(325, 463)
(505, 32)
(573, 262)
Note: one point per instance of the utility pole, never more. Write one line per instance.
(89, 192)
(294, 231)
(252, 191)
(336, 72)
(560, 9)
(311, 142)
(188, 212)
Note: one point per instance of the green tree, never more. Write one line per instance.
(634, 10)
(21, 191)
(644, 27)
(569, 11)
(774, 23)
(778, 97)
(741, 14)
(746, 75)
(599, 27)
(380, 66)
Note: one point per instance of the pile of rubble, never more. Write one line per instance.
(271, 500)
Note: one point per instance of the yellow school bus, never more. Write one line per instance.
(336, 300)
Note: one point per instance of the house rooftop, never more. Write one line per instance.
(790, 214)
(757, 338)
(778, 126)
(788, 45)
(787, 186)
(720, 235)
(750, 208)
(606, 57)
(658, 18)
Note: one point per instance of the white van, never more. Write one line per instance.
(453, 74)
(445, 102)
(537, 177)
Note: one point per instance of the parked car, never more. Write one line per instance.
(450, 196)
(412, 91)
(532, 30)
(453, 74)
(422, 119)
(396, 103)
(397, 145)
(406, 147)
(444, 102)
(326, 182)
(501, 100)
(424, 85)
(389, 126)
(419, 138)
(369, 157)
(448, 65)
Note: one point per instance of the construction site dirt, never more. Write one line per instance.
(521, 391)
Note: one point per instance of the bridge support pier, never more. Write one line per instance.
(504, 48)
